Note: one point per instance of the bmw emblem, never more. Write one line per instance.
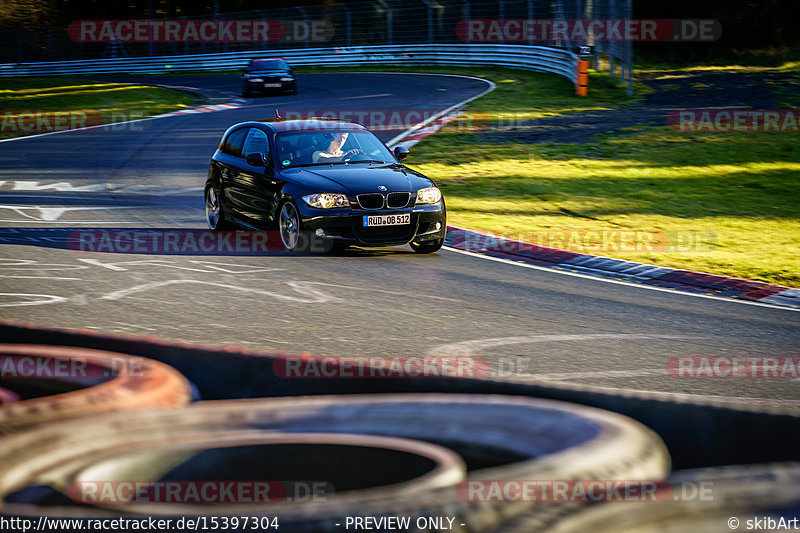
(382, 188)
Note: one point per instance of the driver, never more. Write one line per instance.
(334, 151)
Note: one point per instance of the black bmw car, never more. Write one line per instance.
(321, 180)
(268, 75)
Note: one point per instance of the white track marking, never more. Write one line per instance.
(315, 295)
(65, 186)
(52, 214)
(440, 114)
(384, 291)
(98, 127)
(366, 96)
(40, 277)
(599, 374)
(465, 348)
(144, 262)
(617, 282)
(45, 299)
(209, 266)
(68, 222)
(7, 263)
(251, 269)
(58, 186)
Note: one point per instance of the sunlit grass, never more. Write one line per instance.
(725, 203)
(672, 71)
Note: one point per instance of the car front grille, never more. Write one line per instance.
(393, 200)
(396, 200)
(370, 201)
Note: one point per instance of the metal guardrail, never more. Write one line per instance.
(536, 58)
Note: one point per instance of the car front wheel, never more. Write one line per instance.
(215, 216)
(289, 226)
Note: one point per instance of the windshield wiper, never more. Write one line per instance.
(367, 161)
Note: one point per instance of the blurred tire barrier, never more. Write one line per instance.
(697, 430)
(709, 500)
(57, 382)
(364, 468)
(498, 437)
(7, 397)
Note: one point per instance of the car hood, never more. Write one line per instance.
(358, 178)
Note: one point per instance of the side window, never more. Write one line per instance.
(255, 143)
(233, 146)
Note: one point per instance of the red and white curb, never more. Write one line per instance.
(698, 283)
(430, 129)
(235, 102)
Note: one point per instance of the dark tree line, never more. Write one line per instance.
(747, 25)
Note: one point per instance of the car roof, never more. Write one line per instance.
(305, 124)
(268, 60)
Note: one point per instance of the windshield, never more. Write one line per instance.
(307, 148)
(270, 64)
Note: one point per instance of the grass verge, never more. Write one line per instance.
(725, 203)
(80, 102)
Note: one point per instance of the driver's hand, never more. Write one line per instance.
(354, 151)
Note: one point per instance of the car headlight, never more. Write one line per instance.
(326, 200)
(287, 79)
(429, 195)
(256, 79)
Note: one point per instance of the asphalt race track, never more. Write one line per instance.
(389, 301)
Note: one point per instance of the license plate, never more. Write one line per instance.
(272, 85)
(387, 220)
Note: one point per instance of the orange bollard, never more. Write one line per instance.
(582, 88)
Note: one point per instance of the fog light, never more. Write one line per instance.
(438, 226)
(320, 232)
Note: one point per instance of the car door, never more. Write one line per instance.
(256, 186)
(229, 162)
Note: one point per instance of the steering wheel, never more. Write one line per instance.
(360, 155)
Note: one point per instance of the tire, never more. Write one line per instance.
(108, 382)
(498, 437)
(215, 215)
(7, 396)
(427, 247)
(290, 228)
(741, 492)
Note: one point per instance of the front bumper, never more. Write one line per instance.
(428, 223)
(260, 86)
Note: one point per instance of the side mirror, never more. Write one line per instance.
(400, 152)
(256, 159)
